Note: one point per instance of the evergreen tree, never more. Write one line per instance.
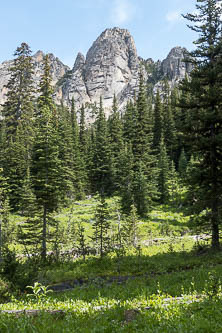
(204, 129)
(4, 213)
(66, 152)
(143, 190)
(116, 144)
(158, 122)
(82, 132)
(145, 170)
(126, 178)
(101, 227)
(80, 155)
(46, 166)
(142, 131)
(163, 176)
(173, 186)
(129, 119)
(20, 90)
(82, 246)
(131, 228)
(29, 231)
(169, 129)
(18, 120)
(182, 164)
(101, 171)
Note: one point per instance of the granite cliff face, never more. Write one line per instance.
(111, 67)
(174, 68)
(58, 70)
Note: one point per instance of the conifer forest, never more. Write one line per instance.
(112, 222)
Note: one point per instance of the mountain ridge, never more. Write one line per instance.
(111, 66)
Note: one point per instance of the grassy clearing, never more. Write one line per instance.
(127, 292)
(137, 306)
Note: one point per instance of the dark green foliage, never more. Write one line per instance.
(139, 178)
(126, 178)
(20, 90)
(129, 119)
(82, 132)
(29, 231)
(116, 145)
(182, 164)
(101, 168)
(101, 228)
(47, 171)
(81, 242)
(142, 190)
(79, 153)
(203, 128)
(141, 139)
(130, 228)
(66, 153)
(18, 127)
(169, 128)
(163, 165)
(158, 122)
(4, 213)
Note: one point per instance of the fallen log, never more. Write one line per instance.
(33, 312)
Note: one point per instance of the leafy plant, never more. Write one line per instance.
(39, 291)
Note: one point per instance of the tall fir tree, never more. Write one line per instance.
(101, 169)
(101, 227)
(204, 128)
(18, 113)
(80, 157)
(20, 90)
(46, 166)
(116, 144)
(163, 176)
(158, 122)
(4, 213)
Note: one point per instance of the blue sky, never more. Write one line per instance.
(65, 27)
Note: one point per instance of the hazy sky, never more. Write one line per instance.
(64, 27)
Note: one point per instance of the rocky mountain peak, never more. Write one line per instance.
(79, 62)
(174, 66)
(111, 67)
(38, 56)
(58, 70)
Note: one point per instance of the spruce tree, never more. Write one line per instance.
(204, 129)
(29, 231)
(101, 169)
(163, 165)
(182, 163)
(66, 153)
(79, 153)
(20, 90)
(129, 119)
(46, 166)
(116, 144)
(4, 213)
(101, 227)
(145, 170)
(126, 178)
(18, 114)
(158, 122)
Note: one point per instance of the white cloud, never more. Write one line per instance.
(122, 12)
(174, 16)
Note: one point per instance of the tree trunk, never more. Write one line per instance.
(44, 233)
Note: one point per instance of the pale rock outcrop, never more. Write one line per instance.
(58, 70)
(111, 67)
(174, 68)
